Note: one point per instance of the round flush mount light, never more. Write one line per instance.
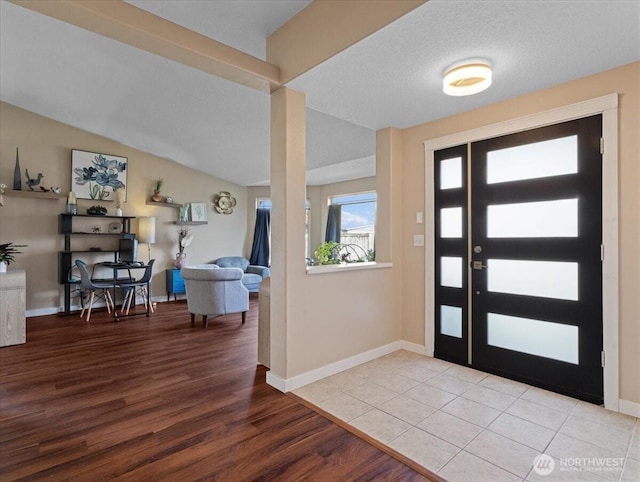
(467, 79)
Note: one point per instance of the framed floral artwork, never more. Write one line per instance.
(198, 212)
(96, 176)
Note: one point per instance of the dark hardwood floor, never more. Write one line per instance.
(156, 399)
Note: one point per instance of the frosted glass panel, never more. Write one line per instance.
(535, 337)
(548, 279)
(451, 321)
(451, 223)
(530, 161)
(451, 272)
(451, 173)
(547, 219)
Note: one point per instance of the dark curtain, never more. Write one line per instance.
(333, 223)
(260, 249)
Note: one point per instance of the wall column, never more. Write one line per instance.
(288, 164)
(389, 192)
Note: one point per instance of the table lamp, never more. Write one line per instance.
(147, 232)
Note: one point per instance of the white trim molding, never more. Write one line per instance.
(289, 384)
(414, 347)
(629, 408)
(344, 267)
(606, 105)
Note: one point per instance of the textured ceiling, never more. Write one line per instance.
(392, 78)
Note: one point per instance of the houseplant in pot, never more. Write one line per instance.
(7, 254)
(156, 191)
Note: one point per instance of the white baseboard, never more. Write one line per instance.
(276, 382)
(42, 312)
(629, 408)
(414, 347)
(289, 384)
(57, 310)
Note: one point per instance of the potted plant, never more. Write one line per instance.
(7, 254)
(331, 252)
(156, 190)
(326, 253)
(97, 211)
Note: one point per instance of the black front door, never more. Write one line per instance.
(518, 257)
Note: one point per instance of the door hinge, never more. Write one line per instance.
(602, 358)
(602, 145)
(602, 252)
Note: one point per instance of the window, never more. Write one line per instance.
(357, 220)
(265, 203)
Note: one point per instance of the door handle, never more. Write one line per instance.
(478, 265)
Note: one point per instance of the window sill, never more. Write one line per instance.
(341, 268)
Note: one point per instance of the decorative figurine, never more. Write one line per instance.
(32, 182)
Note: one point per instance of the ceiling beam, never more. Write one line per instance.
(325, 28)
(133, 26)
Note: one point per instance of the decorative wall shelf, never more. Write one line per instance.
(167, 205)
(35, 194)
(191, 223)
(177, 206)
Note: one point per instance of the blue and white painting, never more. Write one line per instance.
(96, 176)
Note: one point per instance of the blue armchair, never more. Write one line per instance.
(253, 275)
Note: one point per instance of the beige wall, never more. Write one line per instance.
(45, 146)
(338, 315)
(321, 319)
(625, 81)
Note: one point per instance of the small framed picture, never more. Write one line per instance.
(198, 212)
(115, 227)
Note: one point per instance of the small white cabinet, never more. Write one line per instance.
(13, 326)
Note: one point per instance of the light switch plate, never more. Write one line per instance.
(418, 239)
(419, 217)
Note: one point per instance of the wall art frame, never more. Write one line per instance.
(96, 175)
(198, 212)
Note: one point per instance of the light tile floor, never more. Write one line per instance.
(467, 425)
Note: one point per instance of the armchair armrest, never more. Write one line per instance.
(261, 270)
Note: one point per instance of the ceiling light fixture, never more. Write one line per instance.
(467, 79)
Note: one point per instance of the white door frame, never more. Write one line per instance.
(607, 106)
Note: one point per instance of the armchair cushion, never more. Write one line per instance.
(253, 275)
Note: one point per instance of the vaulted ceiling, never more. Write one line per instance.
(391, 78)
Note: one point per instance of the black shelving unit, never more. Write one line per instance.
(66, 255)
